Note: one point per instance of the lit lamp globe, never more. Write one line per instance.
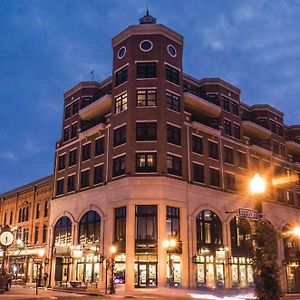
(257, 185)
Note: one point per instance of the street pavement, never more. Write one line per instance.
(28, 292)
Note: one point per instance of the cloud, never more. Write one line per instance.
(8, 155)
(31, 146)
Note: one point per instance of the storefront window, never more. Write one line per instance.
(209, 230)
(173, 222)
(240, 232)
(146, 221)
(120, 224)
(62, 231)
(89, 227)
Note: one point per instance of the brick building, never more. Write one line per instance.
(26, 209)
(152, 153)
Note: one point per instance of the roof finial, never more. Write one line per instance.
(147, 18)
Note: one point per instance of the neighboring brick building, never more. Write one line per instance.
(27, 210)
(151, 154)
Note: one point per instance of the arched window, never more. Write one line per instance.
(209, 230)
(290, 243)
(23, 214)
(240, 233)
(38, 209)
(11, 218)
(4, 218)
(20, 215)
(89, 227)
(62, 231)
(27, 213)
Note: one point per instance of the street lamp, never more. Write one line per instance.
(257, 186)
(112, 289)
(170, 245)
(39, 263)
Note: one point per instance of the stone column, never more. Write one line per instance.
(280, 259)
(130, 247)
(184, 267)
(192, 250)
(161, 251)
(227, 246)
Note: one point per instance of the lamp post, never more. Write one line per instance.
(266, 271)
(170, 246)
(39, 263)
(112, 289)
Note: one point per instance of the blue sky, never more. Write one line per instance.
(48, 46)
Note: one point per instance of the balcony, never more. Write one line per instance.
(92, 108)
(88, 128)
(293, 147)
(207, 125)
(253, 127)
(208, 107)
(260, 145)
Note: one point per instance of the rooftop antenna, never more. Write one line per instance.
(92, 75)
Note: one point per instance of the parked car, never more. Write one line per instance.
(7, 278)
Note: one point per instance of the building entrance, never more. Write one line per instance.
(145, 274)
(293, 278)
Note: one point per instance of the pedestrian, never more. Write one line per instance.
(45, 277)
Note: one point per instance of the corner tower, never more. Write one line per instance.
(147, 95)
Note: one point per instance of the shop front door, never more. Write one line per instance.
(146, 275)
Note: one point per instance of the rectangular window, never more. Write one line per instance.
(121, 103)
(282, 150)
(145, 162)
(73, 157)
(197, 144)
(36, 235)
(213, 150)
(198, 173)
(59, 186)
(173, 101)
(230, 182)
(120, 136)
(173, 222)
(98, 174)
(280, 129)
(290, 197)
(173, 134)
(146, 131)
(213, 98)
(280, 195)
(99, 146)
(273, 126)
(45, 234)
(146, 222)
(75, 107)
(237, 131)
(25, 235)
(61, 161)
(71, 183)
(74, 130)
(275, 147)
(214, 177)
(86, 152)
(85, 176)
(121, 76)
(66, 134)
(242, 159)
(235, 108)
(227, 127)
(146, 98)
(172, 74)
(120, 224)
(119, 166)
(228, 154)
(174, 165)
(255, 162)
(146, 70)
(67, 112)
(226, 103)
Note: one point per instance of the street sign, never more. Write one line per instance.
(248, 213)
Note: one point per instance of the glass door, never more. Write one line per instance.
(142, 275)
(152, 275)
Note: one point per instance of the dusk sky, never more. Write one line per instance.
(48, 46)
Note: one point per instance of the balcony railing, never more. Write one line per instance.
(210, 122)
(262, 123)
(86, 125)
(261, 143)
(212, 98)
